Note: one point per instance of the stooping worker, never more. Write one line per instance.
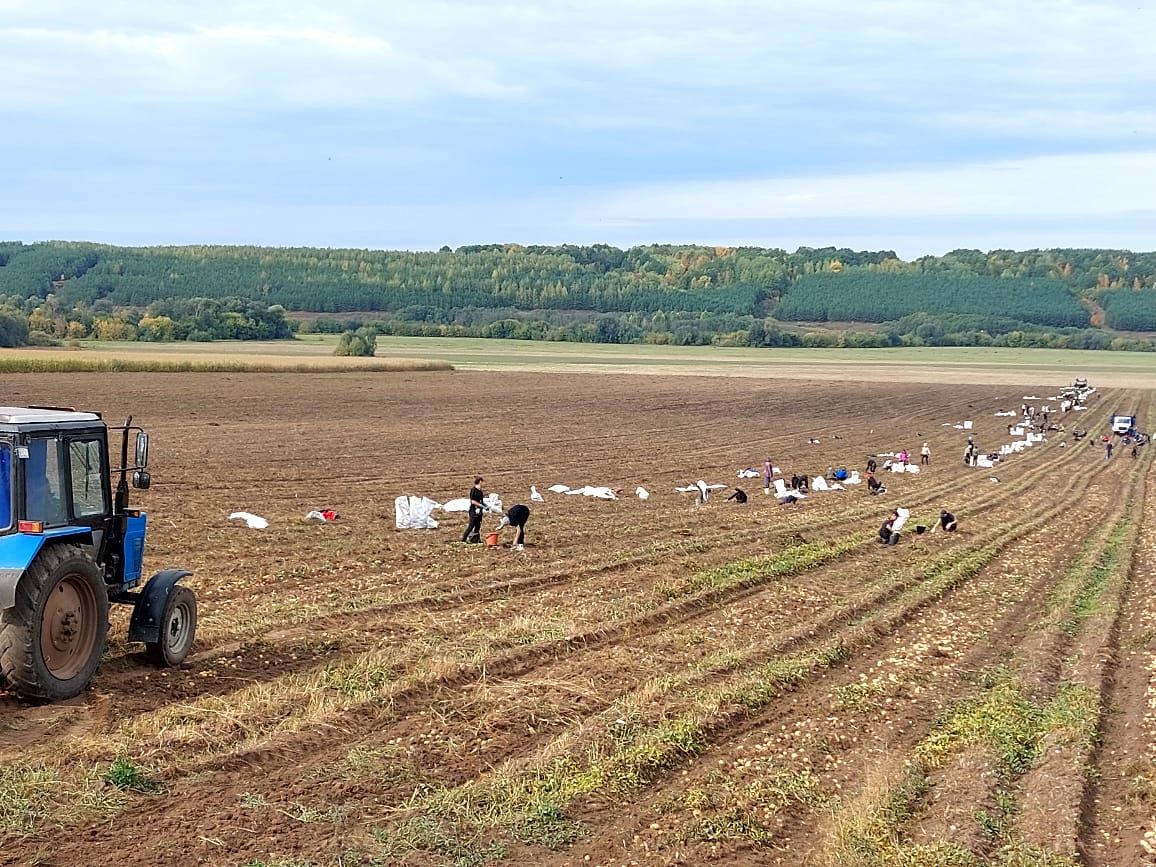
(473, 531)
(889, 531)
(946, 522)
(516, 517)
(739, 496)
(885, 528)
(874, 486)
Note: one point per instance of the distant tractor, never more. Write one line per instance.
(69, 545)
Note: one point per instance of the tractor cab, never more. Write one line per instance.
(69, 546)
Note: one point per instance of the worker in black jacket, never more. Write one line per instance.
(946, 522)
(473, 531)
(517, 517)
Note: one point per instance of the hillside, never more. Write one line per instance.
(679, 293)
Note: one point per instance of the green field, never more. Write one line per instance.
(922, 364)
(917, 364)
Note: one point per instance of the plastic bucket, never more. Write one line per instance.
(492, 539)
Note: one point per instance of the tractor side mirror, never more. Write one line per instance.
(142, 449)
(141, 480)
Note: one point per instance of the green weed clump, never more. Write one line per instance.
(124, 774)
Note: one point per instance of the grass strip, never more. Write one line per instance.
(616, 764)
(783, 564)
(9, 364)
(1008, 723)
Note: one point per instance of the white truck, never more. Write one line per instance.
(1124, 425)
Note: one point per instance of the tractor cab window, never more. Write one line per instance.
(89, 494)
(5, 485)
(43, 487)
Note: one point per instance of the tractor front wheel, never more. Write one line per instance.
(178, 628)
(53, 638)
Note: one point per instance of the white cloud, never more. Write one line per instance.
(1089, 185)
(289, 59)
(347, 44)
(907, 51)
(951, 105)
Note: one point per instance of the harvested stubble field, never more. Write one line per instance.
(649, 682)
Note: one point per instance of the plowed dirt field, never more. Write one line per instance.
(648, 682)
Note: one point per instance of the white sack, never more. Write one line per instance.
(253, 522)
(414, 513)
(599, 493)
(421, 513)
(401, 512)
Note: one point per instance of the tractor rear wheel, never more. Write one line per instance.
(53, 638)
(178, 628)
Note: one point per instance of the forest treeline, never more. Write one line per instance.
(656, 293)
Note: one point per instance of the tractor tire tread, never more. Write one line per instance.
(18, 669)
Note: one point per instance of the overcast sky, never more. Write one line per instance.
(913, 125)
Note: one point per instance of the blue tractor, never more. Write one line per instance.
(69, 546)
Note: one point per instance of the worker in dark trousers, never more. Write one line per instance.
(473, 532)
(946, 522)
(885, 529)
(517, 517)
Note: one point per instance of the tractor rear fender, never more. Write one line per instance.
(18, 550)
(149, 607)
